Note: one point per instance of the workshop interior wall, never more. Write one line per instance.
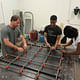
(6, 7)
(42, 10)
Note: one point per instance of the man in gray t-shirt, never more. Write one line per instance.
(9, 35)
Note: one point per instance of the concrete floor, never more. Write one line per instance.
(0, 53)
(67, 68)
(76, 67)
(71, 67)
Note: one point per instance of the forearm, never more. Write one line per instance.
(9, 44)
(69, 43)
(56, 44)
(57, 41)
(45, 40)
(77, 52)
(73, 52)
(23, 40)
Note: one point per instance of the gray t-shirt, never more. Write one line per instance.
(12, 35)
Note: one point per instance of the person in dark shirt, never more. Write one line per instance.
(52, 33)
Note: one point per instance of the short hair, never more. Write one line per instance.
(53, 17)
(15, 18)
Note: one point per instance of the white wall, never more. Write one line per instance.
(43, 9)
(8, 6)
(1, 13)
(74, 20)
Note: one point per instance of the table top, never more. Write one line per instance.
(48, 72)
(69, 66)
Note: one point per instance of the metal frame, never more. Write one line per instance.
(39, 71)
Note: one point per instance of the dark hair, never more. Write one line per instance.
(53, 17)
(15, 18)
(69, 32)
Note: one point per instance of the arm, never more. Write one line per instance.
(57, 40)
(24, 41)
(68, 44)
(45, 38)
(77, 52)
(59, 31)
(9, 44)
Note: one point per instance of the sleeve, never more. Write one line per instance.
(45, 30)
(4, 33)
(78, 39)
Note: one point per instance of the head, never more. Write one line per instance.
(69, 32)
(53, 20)
(15, 21)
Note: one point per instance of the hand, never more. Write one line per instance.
(20, 49)
(63, 51)
(48, 45)
(25, 46)
(52, 48)
(62, 45)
